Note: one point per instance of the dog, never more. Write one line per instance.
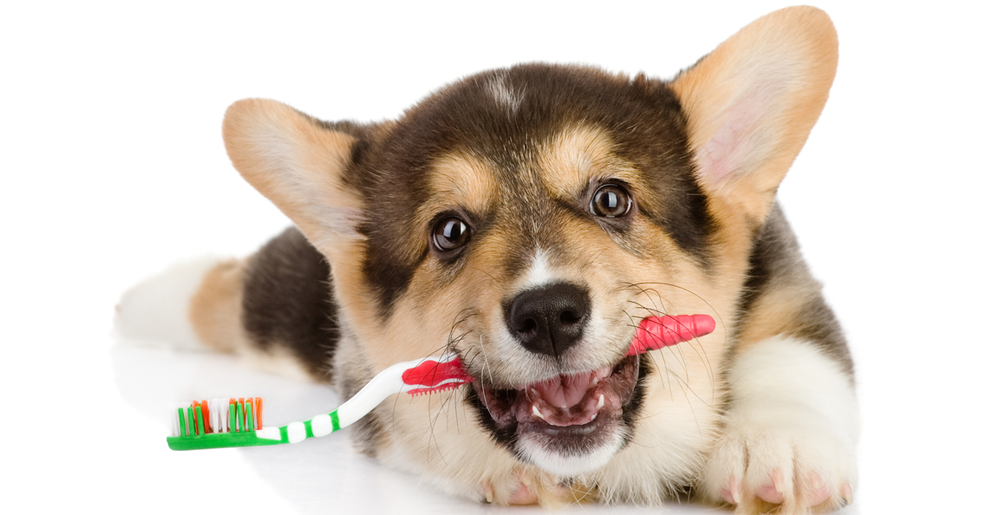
(527, 218)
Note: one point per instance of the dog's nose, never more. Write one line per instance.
(549, 319)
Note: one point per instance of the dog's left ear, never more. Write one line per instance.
(751, 103)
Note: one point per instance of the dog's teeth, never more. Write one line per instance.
(593, 382)
(600, 402)
(534, 409)
(592, 417)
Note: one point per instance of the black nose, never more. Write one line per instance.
(549, 319)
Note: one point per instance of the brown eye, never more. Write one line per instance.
(610, 201)
(450, 234)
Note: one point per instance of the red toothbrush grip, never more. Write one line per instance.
(657, 332)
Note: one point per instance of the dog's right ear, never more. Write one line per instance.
(297, 163)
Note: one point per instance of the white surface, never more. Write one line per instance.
(113, 168)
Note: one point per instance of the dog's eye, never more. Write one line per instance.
(610, 201)
(450, 234)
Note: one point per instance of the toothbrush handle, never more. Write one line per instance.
(384, 384)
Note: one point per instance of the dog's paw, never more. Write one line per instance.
(528, 486)
(780, 469)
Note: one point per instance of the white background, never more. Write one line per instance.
(113, 167)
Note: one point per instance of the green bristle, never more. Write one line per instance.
(232, 418)
(189, 421)
(240, 417)
(180, 422)
(199, 428)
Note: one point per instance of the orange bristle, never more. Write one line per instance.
(206, 419)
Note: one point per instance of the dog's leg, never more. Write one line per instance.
(274, 308)
(789, 434)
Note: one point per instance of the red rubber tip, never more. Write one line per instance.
(430, 373)
(658, 332)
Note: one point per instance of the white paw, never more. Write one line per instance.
(790, 433)
(527, 486)
(798, 469)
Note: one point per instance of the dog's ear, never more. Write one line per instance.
(751, 103)
(298, 164)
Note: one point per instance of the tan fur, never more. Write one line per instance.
(774, 314)
(577, 155)
(214, 311)
(294, 162)
(794, 49)
(458, 179)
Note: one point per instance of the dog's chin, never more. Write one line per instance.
(569, 424)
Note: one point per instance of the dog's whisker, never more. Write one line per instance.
(696, 343)
(487, 274)
(434, 416)
(486, 361)
(635, 329)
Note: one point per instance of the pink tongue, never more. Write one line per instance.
(564, 391)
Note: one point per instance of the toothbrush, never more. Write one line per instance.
(221, 423)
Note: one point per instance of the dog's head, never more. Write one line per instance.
(530, 217)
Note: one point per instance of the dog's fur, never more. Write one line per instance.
(612, 198)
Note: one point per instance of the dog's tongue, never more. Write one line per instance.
(566, 391)
(563, 391)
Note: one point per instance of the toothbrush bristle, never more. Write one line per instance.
(206, 416)
(210, 416)
(437, 389)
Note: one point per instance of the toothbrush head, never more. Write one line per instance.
(434, 375)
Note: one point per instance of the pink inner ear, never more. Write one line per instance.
(741, 140)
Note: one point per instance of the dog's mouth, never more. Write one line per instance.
(574, 423)
(569, 415)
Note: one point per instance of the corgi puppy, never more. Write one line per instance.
(527, 218)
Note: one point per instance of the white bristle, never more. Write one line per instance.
(213, 415)
(175, 427)
(220, 410)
